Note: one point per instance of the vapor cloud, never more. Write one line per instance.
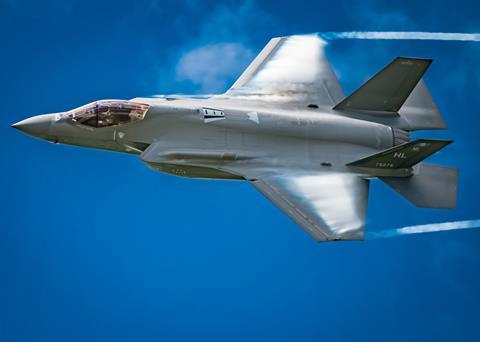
(212, 65)
(425, 228)
(393, 35)
(222, 48)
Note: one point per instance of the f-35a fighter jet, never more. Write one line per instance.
(286, 127)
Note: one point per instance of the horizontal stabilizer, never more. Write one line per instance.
(402, 156)
(432, 186)
(387, 91)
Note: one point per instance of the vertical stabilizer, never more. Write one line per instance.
(386, 92)
(397, 91)
(420, 111)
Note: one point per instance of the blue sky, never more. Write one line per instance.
(95, 246)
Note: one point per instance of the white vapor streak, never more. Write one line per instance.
(471, 37)
(425, 228)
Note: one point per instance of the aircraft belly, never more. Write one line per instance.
(190, 171)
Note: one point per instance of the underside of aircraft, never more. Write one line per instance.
(287, 127)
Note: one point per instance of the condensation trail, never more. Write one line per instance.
(425, 228)
(405, 35)
(392, 35)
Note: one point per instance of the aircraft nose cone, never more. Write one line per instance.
(38, 126)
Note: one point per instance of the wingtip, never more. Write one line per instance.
(426, 59)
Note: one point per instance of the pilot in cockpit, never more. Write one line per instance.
(109, 113)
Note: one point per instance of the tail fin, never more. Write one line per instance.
(432, 186)
(402, 156)
(387, 91)
(420, 111)
(397, 90)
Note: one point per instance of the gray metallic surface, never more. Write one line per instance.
(402, 156)
(420, 110)
(290, 69)
(327, 205)
(387, 91)
(276, 127)
(431, 186)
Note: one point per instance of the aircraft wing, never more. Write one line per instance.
(328, 205)
(290, 69)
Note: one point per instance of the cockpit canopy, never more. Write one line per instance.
(109, 113)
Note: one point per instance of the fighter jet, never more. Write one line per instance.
(286, 127)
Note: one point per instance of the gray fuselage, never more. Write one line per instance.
(187, 145)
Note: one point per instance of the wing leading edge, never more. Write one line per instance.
(292, 69)
(328, 206)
